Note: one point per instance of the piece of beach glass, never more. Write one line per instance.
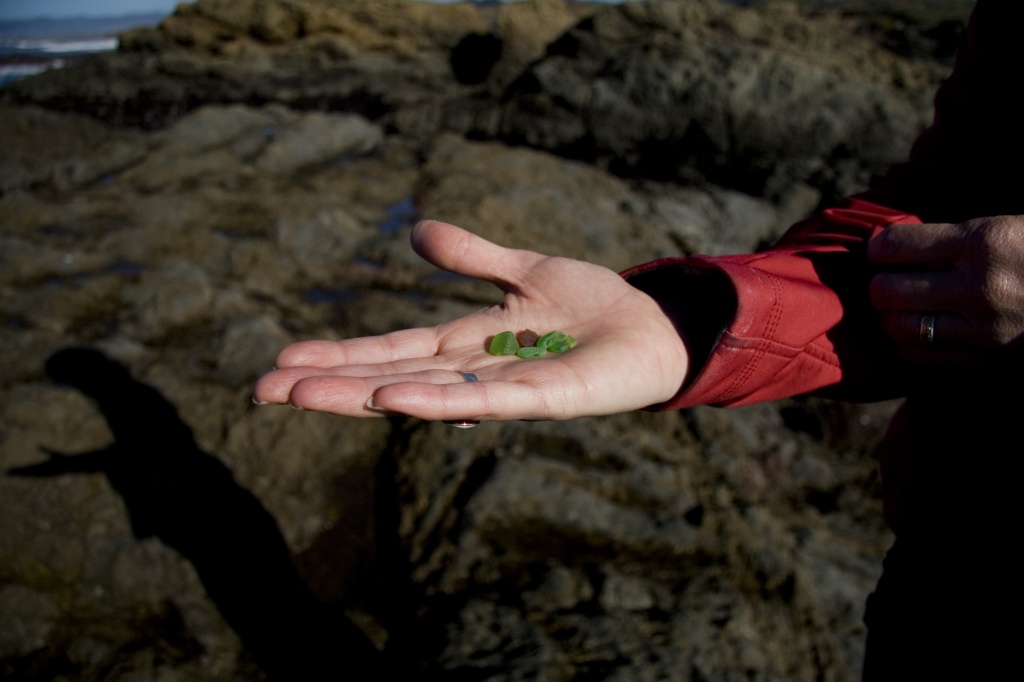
(556, 342)
(527, 337)
(562, 345)
(550, 338)
(503, 344)
(531, 352)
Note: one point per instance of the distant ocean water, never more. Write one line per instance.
(20, 58)
(30, 47)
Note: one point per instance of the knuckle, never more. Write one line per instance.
(1003, 291)
(1006, 329)
(1001, 333)
(996, 287)
(1001, 235)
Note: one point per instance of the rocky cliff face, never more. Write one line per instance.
(246, 175)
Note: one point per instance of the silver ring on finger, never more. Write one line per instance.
(469, 377)
(926, 330)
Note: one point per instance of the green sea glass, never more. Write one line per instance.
(504, 343)
(568, 343)
(549, 339)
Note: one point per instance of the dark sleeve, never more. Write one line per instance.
(970, 162)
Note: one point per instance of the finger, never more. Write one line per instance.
(945, 358)
(276, 387)
(345, 395)
(408, 343)
(486, 400)
(931, 244)
(464, 253)
(948, 330)
(916, 291)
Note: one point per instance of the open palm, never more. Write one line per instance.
(629, 354)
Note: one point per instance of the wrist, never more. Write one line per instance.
(700, 302)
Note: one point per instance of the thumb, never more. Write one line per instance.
(464, 253)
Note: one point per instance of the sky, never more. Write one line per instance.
(14, 10)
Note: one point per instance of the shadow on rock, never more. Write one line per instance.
(190, 501)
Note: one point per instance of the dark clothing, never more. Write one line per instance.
(968, 164)
(948, 602)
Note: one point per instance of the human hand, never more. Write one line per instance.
(629, 354)
(969, 276)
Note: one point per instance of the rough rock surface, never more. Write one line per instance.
(246, 175)
(681, 91)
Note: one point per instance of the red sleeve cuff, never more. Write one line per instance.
(803, 321)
